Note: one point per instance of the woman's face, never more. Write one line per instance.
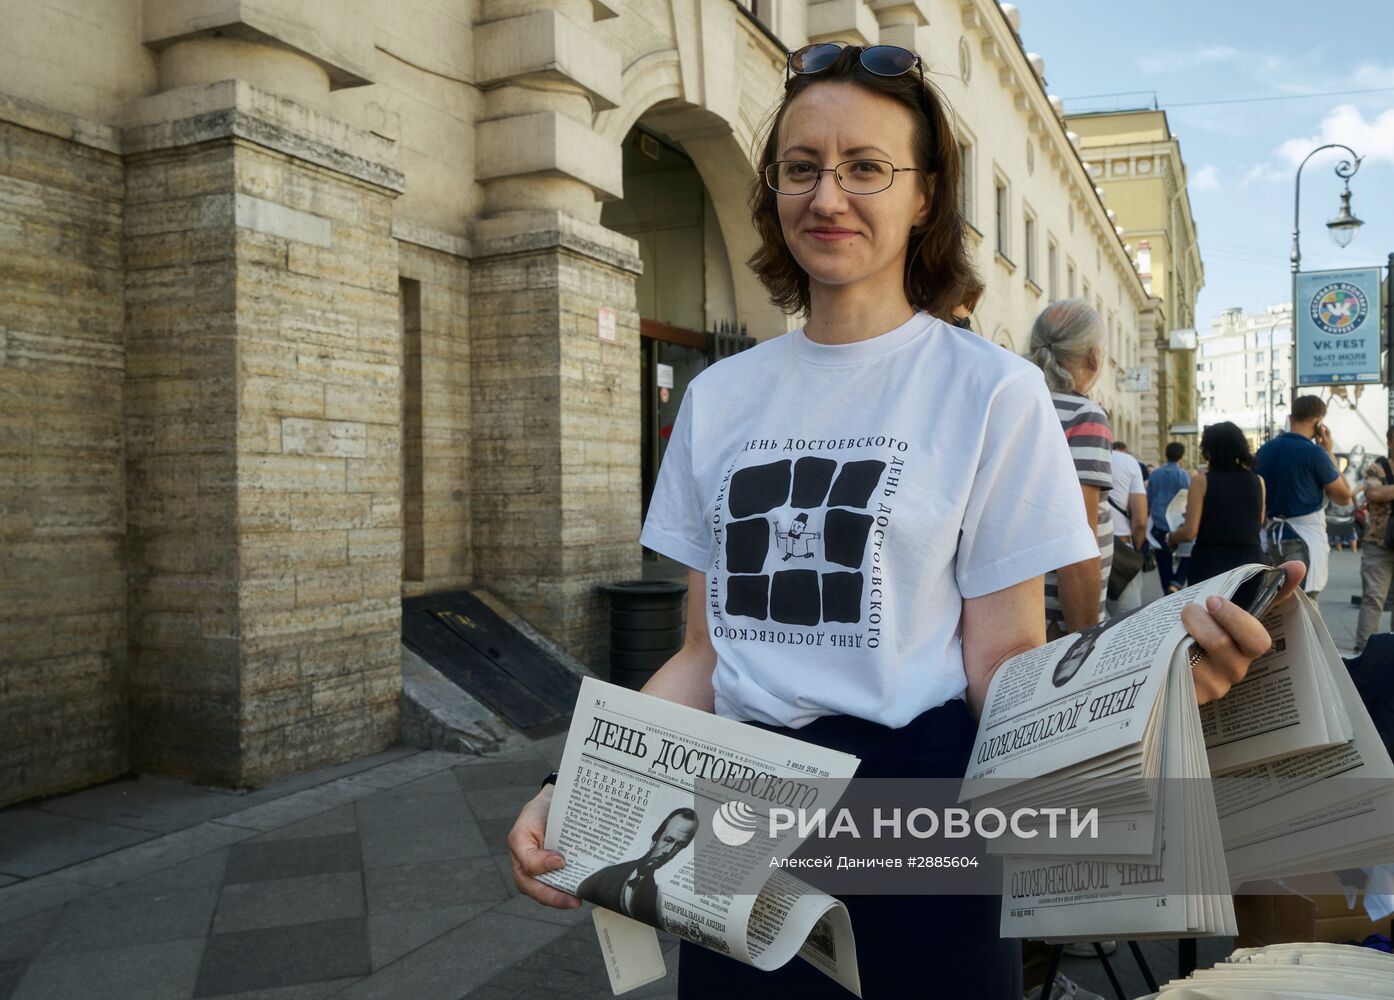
(843, 239)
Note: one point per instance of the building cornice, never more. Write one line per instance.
(1002, 47)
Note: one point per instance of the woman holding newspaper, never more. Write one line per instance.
(935, 489)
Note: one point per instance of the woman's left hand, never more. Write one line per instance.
(1230, 637)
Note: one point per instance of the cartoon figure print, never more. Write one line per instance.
(797, 541)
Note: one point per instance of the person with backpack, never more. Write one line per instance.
(1299, 469)
(1128, 503)
(1377, 557)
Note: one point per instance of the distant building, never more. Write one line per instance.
(1243, 370)
(1135, 159)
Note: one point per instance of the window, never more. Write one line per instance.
(1028, 232)
(1003, 219)
(1070, 279)
(1052, 269)
(1085, 296)
(965, 182)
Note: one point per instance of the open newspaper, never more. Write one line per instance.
(1107, 719)
(622, 816)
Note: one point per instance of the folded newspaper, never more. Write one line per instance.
(1308, 971)
(622, 816)
(1107, 719)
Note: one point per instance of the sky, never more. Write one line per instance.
(1242, 157)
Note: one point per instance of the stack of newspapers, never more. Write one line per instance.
(1136, 813)
(1308, 971)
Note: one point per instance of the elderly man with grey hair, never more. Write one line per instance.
(1067, 345)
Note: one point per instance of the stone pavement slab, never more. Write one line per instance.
(279, 859)
(284, 902)
(436, 884)
(157, 804)
(448, 967)
(165, 970)
(155, 854)
(33, 841)
(100, 922)
(283, 956)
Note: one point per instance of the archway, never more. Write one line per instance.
(685, 296)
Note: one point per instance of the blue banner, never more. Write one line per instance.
(1338, 326)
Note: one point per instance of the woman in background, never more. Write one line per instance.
(1067, 344)
(1224, 510)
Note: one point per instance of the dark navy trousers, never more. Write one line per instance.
(907, 946)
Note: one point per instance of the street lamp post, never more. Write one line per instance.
(1342, 227)
(1273, 380)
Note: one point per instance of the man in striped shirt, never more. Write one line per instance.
(1067, 345)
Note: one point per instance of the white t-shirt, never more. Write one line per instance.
(843, 500)
(1127, 480)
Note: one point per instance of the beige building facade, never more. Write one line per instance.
(310, 306)
(1135, 160)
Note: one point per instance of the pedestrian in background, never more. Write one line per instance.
(1224, 508)
(1067, 345)
(1300, 472)
(1128, 511)
(1162, 487)
(1377, 557)
(972, 295)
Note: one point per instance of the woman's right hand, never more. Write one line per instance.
(530, 859)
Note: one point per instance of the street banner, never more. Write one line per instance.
(1338, 326)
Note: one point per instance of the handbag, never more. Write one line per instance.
(1127, 561)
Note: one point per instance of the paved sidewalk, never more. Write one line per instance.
(384, 878)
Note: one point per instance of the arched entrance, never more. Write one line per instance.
(686, 296)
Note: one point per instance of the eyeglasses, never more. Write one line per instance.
(853, 176)
(882, 60)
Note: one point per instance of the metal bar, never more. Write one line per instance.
(1143, 967)
(1185, 957)
(1108, 968)
(1049, 988)
(1389, 335)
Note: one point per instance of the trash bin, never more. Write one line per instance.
(646, 628)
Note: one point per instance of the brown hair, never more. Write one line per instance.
(1307, 407)
(938, 272)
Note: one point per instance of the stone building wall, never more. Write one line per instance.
(263, 444)
(319, 520)
(62, 509)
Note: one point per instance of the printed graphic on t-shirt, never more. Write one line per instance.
(797, 539)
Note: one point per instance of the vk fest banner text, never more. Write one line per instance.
(1338, 326)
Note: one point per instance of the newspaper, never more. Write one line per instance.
(1107, 719)
(652, 796)
(623, 817)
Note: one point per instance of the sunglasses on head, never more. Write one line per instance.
(882, 60)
